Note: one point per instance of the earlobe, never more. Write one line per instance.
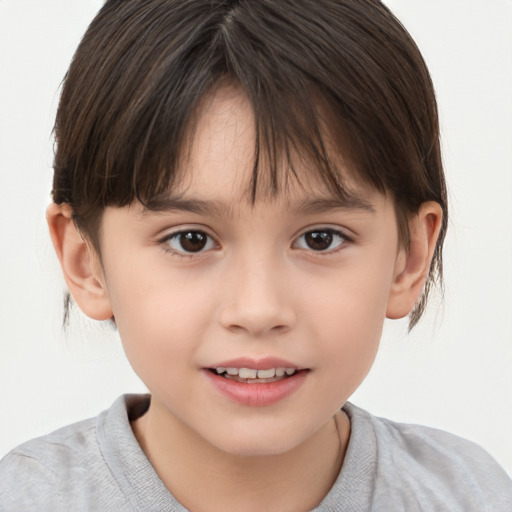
(79, 262)
(413, 264)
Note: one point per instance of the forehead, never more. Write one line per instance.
(220, 147)
(221, 159)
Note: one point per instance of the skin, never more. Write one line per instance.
(256, 290)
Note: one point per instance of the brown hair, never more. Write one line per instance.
(143, 66)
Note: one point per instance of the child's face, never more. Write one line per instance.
(263, 286)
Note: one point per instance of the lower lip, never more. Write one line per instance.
(255, 394)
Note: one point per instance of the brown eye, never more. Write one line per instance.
(320, 240)
(190, 241)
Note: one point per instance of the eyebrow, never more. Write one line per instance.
(325, 204)
(199, 206)
(215, 208)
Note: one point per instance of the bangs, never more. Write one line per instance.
(293, 143)
(121, 136)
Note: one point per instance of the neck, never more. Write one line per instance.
(202, 477)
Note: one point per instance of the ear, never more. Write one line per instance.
(413, 263)
(79, 262)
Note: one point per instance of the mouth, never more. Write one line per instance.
(254, 376)
(257, 382)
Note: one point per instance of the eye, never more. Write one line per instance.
(191, 241)
(321, 240)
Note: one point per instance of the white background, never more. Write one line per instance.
(454, 371)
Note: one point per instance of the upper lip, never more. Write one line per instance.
(264, 363)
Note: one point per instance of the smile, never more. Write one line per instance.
(253, 376)
(265, 385)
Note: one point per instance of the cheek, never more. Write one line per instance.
(353, 300)
(349, 312)
(160, 319)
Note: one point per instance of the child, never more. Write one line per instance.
(246, 189)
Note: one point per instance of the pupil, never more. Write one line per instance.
(318, 240)
(193, 241)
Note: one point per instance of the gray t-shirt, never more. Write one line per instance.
(97, 465)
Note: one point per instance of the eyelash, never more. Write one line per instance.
(332, 233)
(166, 243)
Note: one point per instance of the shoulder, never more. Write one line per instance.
(57, 471)
(40, 466)
(440, 470)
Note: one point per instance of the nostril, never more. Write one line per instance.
(257, 331)
(256, 316)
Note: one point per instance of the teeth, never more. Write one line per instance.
(266, 374)
(246, 373)
(250, 373)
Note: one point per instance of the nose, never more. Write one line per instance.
(257, 298)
